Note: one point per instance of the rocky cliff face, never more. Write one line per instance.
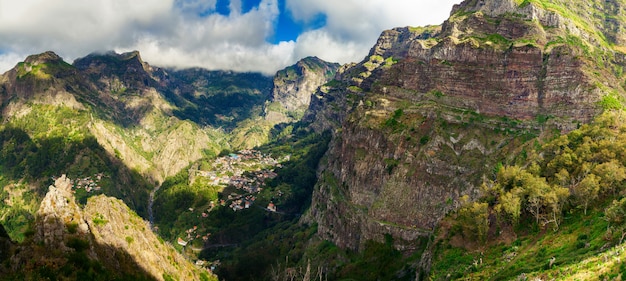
(430, 111)
(287, 102)
(105, 234)
(294, 85)
(57, 210)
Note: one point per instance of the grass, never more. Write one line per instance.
(99, 220)
(580, 240)
(611, 101)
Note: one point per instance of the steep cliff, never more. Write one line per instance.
(294, 85)
(430, 111)
(287, 102)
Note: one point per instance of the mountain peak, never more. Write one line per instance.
(45, 57)
(110, 57)
(596, 21)
(131, 54)
(128, 68)
(312, 58)
(293, 85)
(127, 56)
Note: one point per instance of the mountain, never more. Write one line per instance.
(118, 127)
(489, 147)
(294, 85)
(290, 96)
(104, 240)
(429, 114)
(58, 119)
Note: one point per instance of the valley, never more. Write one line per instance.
(490, 147)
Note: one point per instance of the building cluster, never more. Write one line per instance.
(252, 182)
(192, 234)
(241, 202)
(247, 171)
(88, 183)
(231, 170)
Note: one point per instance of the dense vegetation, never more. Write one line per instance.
(241, 231)
(559, 204)
(217, 98)
(48, 142)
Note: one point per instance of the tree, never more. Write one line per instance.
(562, 177)
(615, 215)
(535, 189)
(587, 190)
(511, 204)
(610, 174)
(474, 219)
(554, 200)
(509, 177)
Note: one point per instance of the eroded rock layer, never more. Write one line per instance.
(429, 113)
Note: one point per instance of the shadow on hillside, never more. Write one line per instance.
(39, 161)
(217, 98)
(83, 259)
(86, 89)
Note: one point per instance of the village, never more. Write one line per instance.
(245, 173)
(89, 184)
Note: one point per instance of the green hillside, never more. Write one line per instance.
(557, 212)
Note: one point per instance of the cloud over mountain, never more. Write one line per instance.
(215, 34)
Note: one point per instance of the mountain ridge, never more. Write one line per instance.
(119, 127)
(430, 110)
(420, 128)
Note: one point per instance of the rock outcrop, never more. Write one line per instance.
(58, 210)
(116, 228)
(430, 111)
(108, 237)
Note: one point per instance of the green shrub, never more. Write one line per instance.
(77, 244)
(99, 220)
(72, 227)
(168, 277)
(609, 102)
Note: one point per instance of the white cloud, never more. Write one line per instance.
(234, 42)
(186, 33)
(76, 26)
(354, 25)
(8, 61)
(196, 6)
(266, 58)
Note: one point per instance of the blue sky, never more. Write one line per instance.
(286, 28)
(239, 35)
